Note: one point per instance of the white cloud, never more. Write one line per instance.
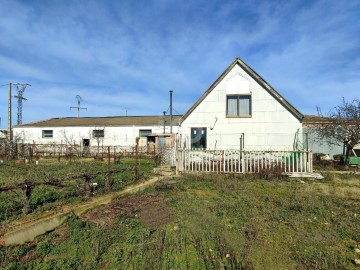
(130, 54)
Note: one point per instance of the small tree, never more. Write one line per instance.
(341, 125)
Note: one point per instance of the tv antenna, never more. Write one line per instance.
(20, 89)
(78, 107)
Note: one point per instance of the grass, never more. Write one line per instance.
(50, 198)
(220, 222)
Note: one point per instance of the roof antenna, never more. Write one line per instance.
(78, 107)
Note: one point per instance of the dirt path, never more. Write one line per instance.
(27, 231)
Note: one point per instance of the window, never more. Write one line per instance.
(238, 105)
(144, 132)
(198, 138)
(98, 133)
(47, 133)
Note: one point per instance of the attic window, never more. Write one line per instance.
(47, 133)
(98, 133)
(238, 106)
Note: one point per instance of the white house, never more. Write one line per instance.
(94, 131)
(241, 110)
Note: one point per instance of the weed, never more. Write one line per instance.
(219, 222)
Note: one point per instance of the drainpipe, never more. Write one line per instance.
(171, 91)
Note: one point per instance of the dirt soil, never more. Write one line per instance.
(152, 210)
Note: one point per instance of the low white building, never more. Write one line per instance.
(241, 110)
(95, 131)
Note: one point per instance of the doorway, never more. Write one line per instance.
(86, 146)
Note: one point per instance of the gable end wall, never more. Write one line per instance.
(271, 126)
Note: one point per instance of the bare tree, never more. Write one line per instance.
(70, 145)
(341, 125)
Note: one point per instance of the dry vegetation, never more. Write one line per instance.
(209, 222)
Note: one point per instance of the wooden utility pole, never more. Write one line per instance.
(9, 115)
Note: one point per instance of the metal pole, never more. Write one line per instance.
(9, 114)
(171, 91)
(164, 120)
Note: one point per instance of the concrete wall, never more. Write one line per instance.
(113, 136)
(271, 125)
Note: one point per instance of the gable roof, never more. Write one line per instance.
(257, 78)
(105, 121)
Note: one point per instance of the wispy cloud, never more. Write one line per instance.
(118, 54)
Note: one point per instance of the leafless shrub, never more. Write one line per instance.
(274, 172)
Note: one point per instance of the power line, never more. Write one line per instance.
(173, 110)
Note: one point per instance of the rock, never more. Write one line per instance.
(357, 261)
(325, 157)
(357, 250)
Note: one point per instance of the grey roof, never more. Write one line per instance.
(105, 121)
(257, 78)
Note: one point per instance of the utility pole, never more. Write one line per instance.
(9, 115)
(126, 110)
(164, 120)
(78, 107)
(171, 92)
(20, 89)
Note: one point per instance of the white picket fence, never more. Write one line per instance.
(236, 161)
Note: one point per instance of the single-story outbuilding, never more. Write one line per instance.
(103, 131)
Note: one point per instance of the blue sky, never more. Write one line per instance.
(129, 54)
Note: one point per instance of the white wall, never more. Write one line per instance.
(271, 125)
(3, 133)
(113, 136)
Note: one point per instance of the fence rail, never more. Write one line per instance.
(25, 150)
(236, 161)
